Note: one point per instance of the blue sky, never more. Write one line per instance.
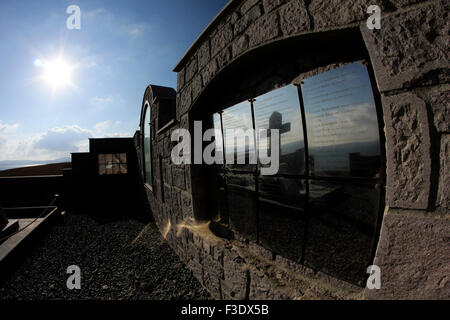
(121, 47)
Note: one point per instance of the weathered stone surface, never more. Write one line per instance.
(440, 101)
(264, 288)
(180, 79)
(187, 169)
(185, 100)
(214, 268)
(191, 69)
(248, 5)
(414, 257)
(408, 151)
(328, 14)
(269, 5)
(235, 276)
(239, 45)
(294, 18)
(196, 86)
(209, 71)
(211, 282)
(178, 177)
(410, 46)
(261, 251)
(221, 39)
(186, 205)
(247, 19)
(444, 185)
(203, 54)
(223, 58)
(167, 172)
(197, 270)
(404, 3)
(264, 29)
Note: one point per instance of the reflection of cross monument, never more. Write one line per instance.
(276, 122)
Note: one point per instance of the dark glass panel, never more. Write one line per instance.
(280, 109)
(341, 229)
(241, 204)
(218, 138)
(282, 215)
(342, 125)
(238, 146)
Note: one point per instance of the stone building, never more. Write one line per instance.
(364, 156)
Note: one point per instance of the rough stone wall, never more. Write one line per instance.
(410, 59)
(409, 56)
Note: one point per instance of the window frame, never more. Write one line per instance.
(147, 108)
(307, 176)
(112, 162)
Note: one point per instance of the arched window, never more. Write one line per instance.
(147, 147)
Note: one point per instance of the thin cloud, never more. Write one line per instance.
(102, 101)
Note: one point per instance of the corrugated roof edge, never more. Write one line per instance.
(230, 5)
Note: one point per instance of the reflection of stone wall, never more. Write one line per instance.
(409, 56)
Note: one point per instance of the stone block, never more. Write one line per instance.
(209, 71)
(185, 100)
(294, 18)
(411, 47)
(223, 57)
(186, 205)
(247, 5)
(204, 55)
(440, 102)
(413, 255)
(212, 283)
(191, 68)
(178, 177)
(264, 288)
(239, 45)
(221, 39)
(336, 13)
(246, 19)
(264, 29)
(197, 86)
(235, 275)
(408, 151)
(269, 5)
(180, 79)
(444, 184)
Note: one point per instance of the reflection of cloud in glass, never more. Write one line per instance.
(341, 117)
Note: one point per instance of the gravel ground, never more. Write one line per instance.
(125, 259)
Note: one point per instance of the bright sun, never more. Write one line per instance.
(57, 73)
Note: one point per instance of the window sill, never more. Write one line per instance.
(148, 187)
(167, 126)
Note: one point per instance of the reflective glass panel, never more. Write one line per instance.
(282, 215)
(341, 229)
(239, 138)
(342, 125)
(241, 204)
(147, 148)
(280, 109)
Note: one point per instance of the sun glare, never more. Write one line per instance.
(57, 73)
